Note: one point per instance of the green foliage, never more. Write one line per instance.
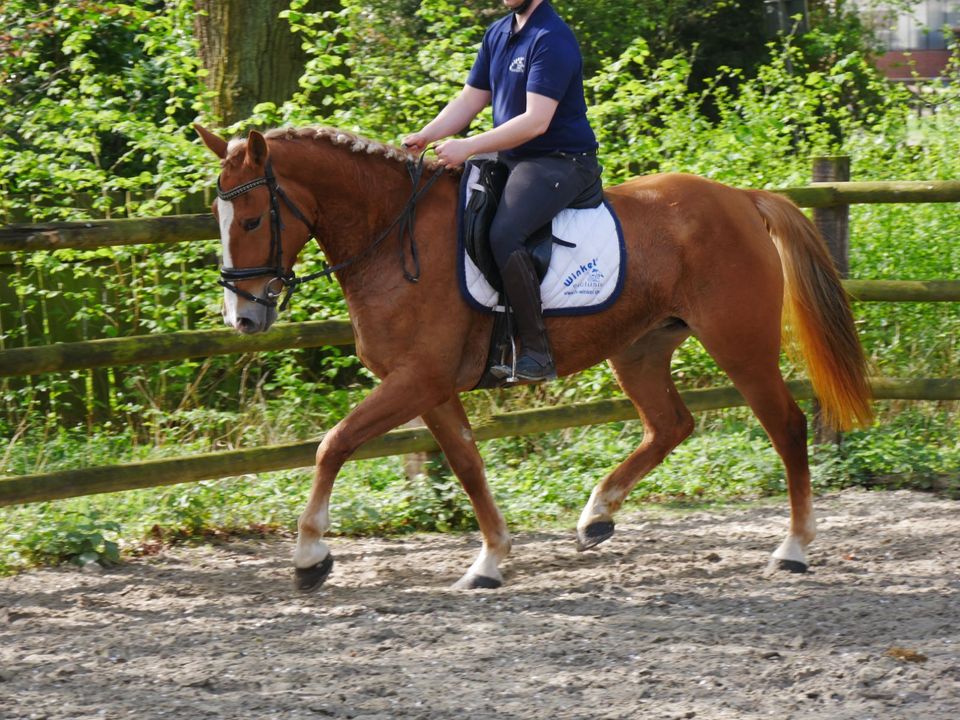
(379, 68)
(47, 534)
(96, 99)
(712, 33)
(919, 445)
(648, 119)
(385, 67)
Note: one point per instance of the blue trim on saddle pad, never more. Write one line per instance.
(582, 271)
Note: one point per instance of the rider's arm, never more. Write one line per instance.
(533, 122)
(457, 115)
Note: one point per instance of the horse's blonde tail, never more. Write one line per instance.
(816, 314)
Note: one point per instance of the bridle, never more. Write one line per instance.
(282, 280)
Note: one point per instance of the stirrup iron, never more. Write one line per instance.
(507, 373)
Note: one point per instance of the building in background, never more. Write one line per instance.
(917, 41)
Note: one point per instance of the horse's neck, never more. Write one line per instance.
(358, 197)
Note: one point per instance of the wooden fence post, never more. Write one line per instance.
(834, 225)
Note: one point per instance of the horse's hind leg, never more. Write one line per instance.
(750, 357)
(451, 428)
(643, 371)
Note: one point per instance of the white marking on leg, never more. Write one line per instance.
(310, 553)
(225, 211)
(486, 565)
(791, 549)
(311, 550)
(794, 547)
(597, 509)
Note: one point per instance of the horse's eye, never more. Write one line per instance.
(253, 224)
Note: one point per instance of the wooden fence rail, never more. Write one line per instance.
(903, 290)
(829, 194)
(112, 352)
(90, 234)
(153, 473)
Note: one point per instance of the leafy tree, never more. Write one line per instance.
(96, 98)
(249, 54)
(714, 33)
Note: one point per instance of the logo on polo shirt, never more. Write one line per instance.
(518, 64)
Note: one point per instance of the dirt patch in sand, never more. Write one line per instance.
(672, 618)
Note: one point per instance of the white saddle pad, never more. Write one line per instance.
(583, 279)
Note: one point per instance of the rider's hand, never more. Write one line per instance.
(453, 153)
(416, 142)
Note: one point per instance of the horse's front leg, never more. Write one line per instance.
(399, 398)
(451, 428)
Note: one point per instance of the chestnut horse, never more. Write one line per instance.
(727, 266)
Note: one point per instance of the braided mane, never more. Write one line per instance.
(352, 141)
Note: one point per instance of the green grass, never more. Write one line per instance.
(538, 481)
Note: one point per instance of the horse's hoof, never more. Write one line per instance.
(477, 582)
(594, 534)
(309, 579)
(792, 566)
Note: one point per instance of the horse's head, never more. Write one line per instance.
(262, 230)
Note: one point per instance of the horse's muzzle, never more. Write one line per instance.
(249, 318)
(248, 326)
(255, 320)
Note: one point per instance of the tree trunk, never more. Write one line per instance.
(249, 53)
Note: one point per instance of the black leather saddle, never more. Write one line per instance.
(485, 193)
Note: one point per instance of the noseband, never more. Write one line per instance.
(281, 279)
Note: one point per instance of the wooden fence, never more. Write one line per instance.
(89, 234)
(829, 198)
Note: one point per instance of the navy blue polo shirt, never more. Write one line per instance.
(543, 58)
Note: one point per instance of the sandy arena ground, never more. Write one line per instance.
(672, 618)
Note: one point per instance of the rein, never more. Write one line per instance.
(288, 281)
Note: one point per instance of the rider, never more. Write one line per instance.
(530, 68)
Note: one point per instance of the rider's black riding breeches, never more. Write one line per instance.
(537, 189)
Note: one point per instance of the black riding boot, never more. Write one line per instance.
(535, 363)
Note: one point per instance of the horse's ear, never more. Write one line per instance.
(217, 145)
(256, 149)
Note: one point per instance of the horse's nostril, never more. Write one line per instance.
(245, 325)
